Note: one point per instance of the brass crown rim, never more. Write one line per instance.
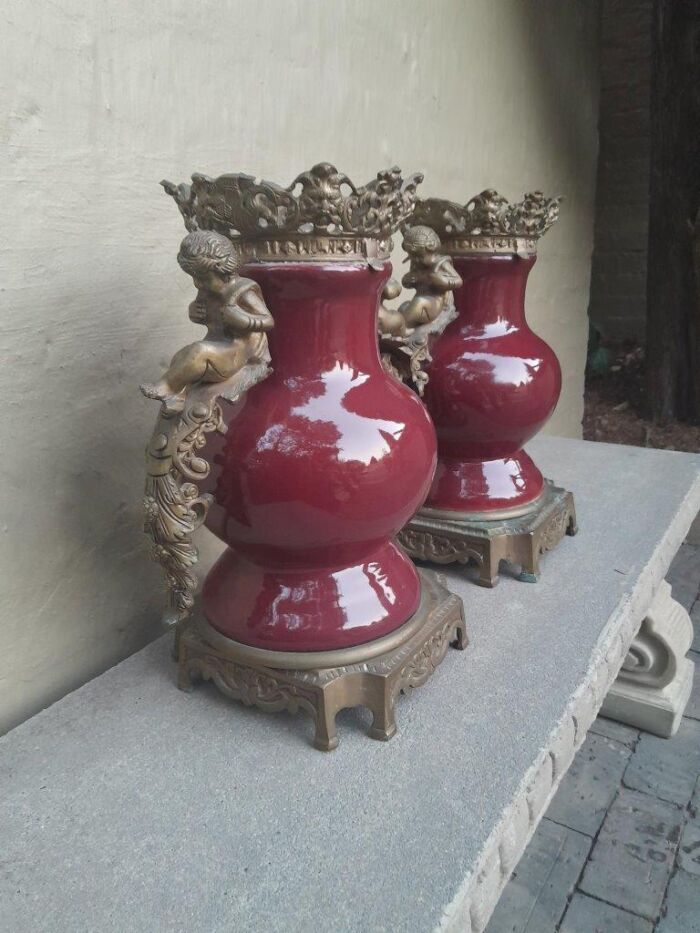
(489, 222)
(322, 210)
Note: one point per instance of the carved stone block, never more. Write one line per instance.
(654, 684)
(518, 541)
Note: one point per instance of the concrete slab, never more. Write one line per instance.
(632, 858)
(682, 907)
(684, 575)
(590, 785)
(587, 915)
(617, 731)
(667, 769)
(536, 895)
(130, 804)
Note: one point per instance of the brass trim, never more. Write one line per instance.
(519, 542)
(489, 215)
(314, 249)
(493, 515)
(308, 660)
(323, 692)
(488, 244)
(321, 202)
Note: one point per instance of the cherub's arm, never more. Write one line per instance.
(444, 276)
(411, 279)
(198, 312)
(249, 314)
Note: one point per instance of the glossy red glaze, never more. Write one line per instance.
(493, 384)
(322, 463)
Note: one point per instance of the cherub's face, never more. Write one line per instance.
(413, 250)
(209, 281)
(419, 251)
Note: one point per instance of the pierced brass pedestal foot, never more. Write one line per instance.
(519, 541)
(323, 683)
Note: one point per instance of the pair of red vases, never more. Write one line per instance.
(326, 459)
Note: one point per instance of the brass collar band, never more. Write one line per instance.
(489, 243)
(313, 248)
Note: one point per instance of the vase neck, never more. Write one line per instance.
(493, 293)
(325, 314)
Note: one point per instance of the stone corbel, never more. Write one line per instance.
(654, 684)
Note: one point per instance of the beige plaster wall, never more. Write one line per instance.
(99, 101)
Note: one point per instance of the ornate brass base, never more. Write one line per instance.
(519, 541)
(324, 691)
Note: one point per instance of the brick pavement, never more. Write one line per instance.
(619, 848)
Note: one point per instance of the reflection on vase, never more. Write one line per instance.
(321, 464)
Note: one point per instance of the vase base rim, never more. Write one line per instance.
(485, 515)
(336, 657)
(519, 542)
(324, 690)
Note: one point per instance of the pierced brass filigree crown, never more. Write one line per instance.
(489, 223)
(320, 215)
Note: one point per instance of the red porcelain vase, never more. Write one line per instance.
(321, 465)
(493, 383)
(324, 460)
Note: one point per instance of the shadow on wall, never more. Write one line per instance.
(76, 506)
(549, 41)
(556, 47)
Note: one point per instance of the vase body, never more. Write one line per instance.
(321, 465)
(492, 385)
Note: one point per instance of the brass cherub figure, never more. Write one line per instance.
(232, 357)
(232, 309)
(433, 276)
(405, 332)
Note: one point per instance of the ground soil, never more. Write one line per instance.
(615, 408)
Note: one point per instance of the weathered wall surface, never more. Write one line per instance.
(100, 100)
(619, 275)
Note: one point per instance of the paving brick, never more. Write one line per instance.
(682, 908)
(692, 710)
(587, 915)
(689, 848)
(617, 731)
(535, 897)
(695, 619)
(694, 533)
(632, 858)
(590, 785)
(684, 575)
(667, 768)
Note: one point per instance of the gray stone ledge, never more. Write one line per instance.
(129, 804)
